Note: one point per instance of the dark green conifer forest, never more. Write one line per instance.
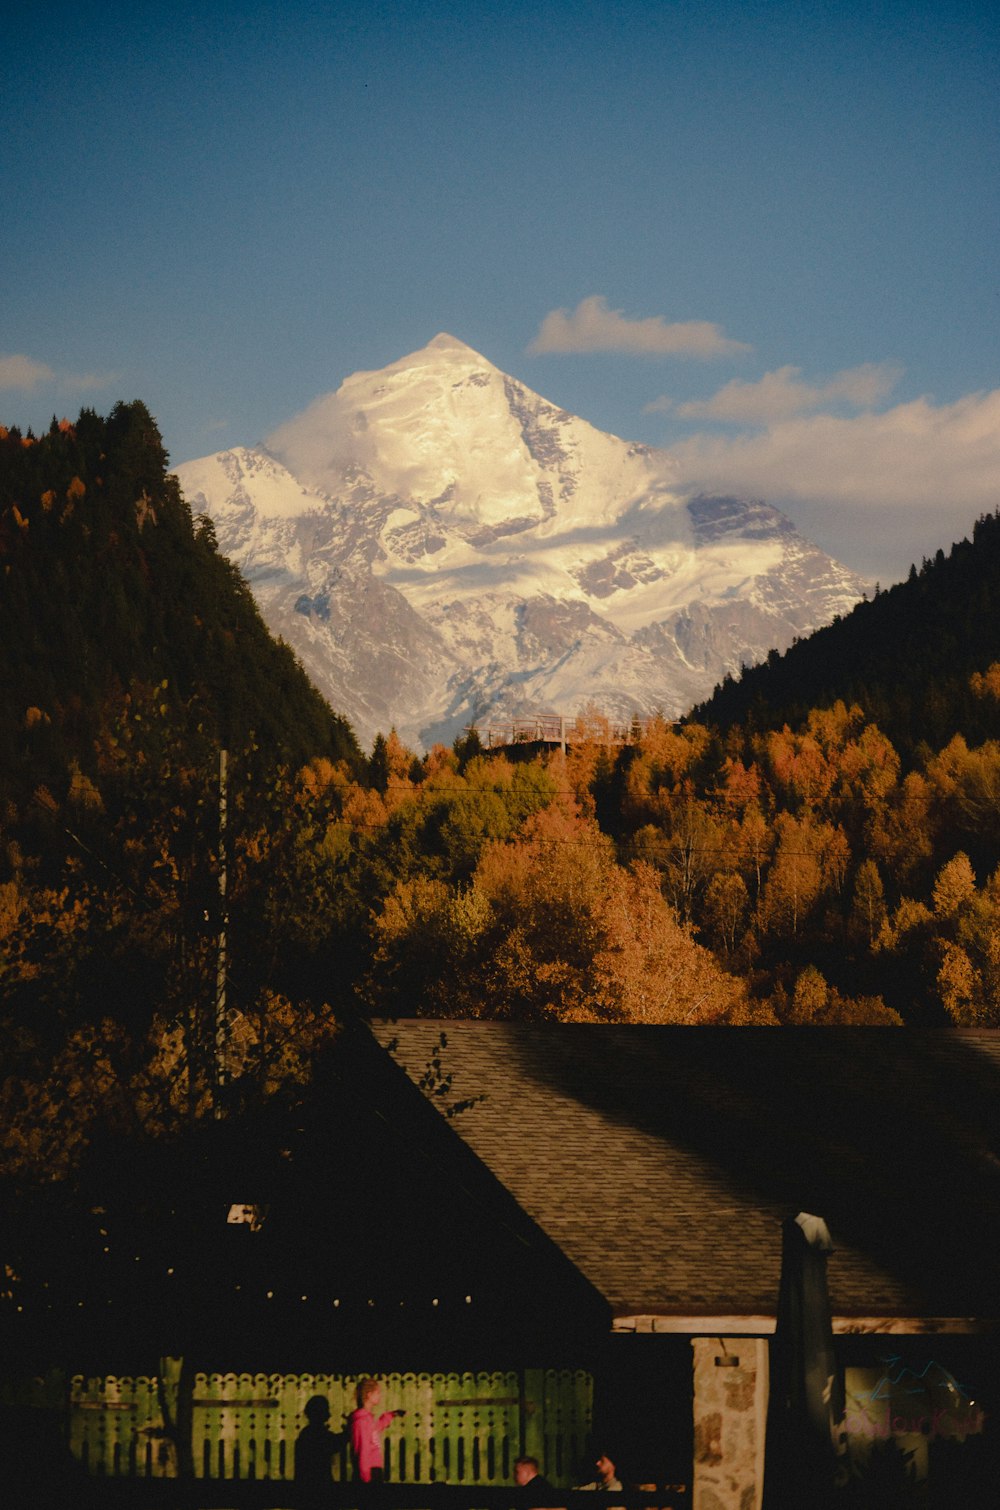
(906, 657)
(113, 594)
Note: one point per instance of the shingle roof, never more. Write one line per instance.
(662, 1160)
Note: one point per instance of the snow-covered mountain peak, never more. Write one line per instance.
(442, 545)
(444, 342)
(443, 358)
(443, 429)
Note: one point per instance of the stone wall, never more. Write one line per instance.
(730, 1412)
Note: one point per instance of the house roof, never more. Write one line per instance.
(662, 1160)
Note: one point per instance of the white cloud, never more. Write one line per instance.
(592, 326)
(23, 372)
(878, 490)
(782, 394)
(26, 374)
(917, 454)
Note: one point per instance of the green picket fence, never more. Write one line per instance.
(458, 1428)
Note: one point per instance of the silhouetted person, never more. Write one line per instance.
(315, 1449)
(527, 1476)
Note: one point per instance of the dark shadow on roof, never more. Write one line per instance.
(891, 1136)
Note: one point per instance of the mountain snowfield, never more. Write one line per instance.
(441, 546)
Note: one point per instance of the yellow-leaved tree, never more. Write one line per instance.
(550, 927)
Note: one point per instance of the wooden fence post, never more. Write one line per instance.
(533, 1417)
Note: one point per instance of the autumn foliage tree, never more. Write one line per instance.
(550, 927)
(814, 863)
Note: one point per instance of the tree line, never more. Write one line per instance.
(754, 869)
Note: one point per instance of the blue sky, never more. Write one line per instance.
(771, 230)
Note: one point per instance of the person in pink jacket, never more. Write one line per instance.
(366, 1430)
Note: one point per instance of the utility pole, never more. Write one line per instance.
(219, 1035)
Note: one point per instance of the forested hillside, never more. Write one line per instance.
(132, 655)
(820, 845)
(113, 597)
(906, 657)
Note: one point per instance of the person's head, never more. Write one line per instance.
(317, 1408)
(525, 1469)
(369, 1393)
(605, 1467)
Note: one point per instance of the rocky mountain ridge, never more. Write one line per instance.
(442, 546)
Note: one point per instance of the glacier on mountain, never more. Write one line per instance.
(441, 546)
